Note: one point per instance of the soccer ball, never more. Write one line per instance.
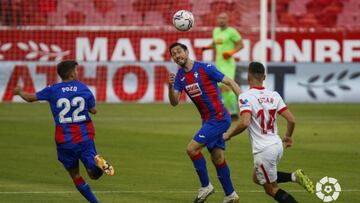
(183, 20)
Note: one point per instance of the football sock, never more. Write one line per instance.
(200, 167)
(283, 177)
(283, 197)
(223, 173)
(97, 172)
(85, 189)
(293, 177)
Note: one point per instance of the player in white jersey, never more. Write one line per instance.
(258, 110)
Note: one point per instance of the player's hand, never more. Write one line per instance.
(204, 48)
(17, 90)
(171, 79)
(226, 136)
(228, 54)
(288, 141)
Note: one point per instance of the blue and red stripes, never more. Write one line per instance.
(79, 181)
(74, 133)
(204, 92)
(212, 93)
(204, 110)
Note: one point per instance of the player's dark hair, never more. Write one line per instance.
(257, 70)
(64, 68)
(183, 46)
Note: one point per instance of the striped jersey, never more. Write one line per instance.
(263, 106)
(70, 103)
(200, 84)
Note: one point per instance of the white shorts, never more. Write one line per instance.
(266, 161)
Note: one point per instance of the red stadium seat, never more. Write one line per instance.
(293, 13)
(153, 18)
(47, 6)
(75, 18)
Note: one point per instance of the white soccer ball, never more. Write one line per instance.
(183, 20)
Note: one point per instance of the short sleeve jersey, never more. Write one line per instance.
(263, 106)
(200, 84)
(225, 41)
(70, 103)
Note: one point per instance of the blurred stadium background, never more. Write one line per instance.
(313, 55)
(313, 45)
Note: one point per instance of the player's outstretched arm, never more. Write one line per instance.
(173, 94)
(245, 120)
(289, 127)
(29, 97)
(232, 84)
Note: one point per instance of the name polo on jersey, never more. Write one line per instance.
(70, 103)
(263, 106)
(200, 84)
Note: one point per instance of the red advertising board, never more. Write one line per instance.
(120, 45)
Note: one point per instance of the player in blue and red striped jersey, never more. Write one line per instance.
(70, 101)
(199, 81)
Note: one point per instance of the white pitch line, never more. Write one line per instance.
(151, 191)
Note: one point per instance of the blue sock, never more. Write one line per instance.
(85, 190)
(200, 166)
(97, 172)
(223, 173)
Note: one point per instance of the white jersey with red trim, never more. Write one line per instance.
(263, 106)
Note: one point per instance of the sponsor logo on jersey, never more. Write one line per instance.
(219, 41)
(193, 89)
(244, 103)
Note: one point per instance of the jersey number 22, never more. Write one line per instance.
(78, 102)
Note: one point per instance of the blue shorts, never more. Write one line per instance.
(212, 132)
(85, 151)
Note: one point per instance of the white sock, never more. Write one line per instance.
(293, 177)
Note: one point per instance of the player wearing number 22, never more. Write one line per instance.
(258, 109)
(70, 101)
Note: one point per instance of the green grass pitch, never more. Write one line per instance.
(146, 144)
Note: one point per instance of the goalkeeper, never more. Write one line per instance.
(227, 42)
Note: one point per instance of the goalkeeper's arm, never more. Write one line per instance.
(238, 46)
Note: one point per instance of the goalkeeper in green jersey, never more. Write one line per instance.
(227, 41)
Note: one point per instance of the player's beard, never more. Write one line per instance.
(181, 62)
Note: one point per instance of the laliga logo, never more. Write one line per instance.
(328, 189)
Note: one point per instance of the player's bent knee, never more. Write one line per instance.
(191, 152)
(271, 191)
(217, 160)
